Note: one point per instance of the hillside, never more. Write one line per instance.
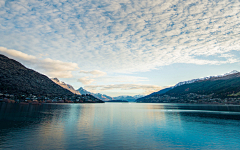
(220, 86)
(18, 80)
(155, 93)
(216, 89)
(205, 78)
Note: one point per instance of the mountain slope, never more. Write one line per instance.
(225, 86)
(66, 86)
(17, 79)
(204, 78)
(220, 86)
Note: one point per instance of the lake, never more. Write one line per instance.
(119, 126)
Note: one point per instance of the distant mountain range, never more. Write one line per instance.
(128, 98)
(18, 80)
(221, 86)
(103, 97)
(109, 98)
(97, 95)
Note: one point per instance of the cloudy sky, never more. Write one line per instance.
(122, 47)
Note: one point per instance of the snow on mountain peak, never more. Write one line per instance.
(232, 72)
(138, 96)
(204, 78)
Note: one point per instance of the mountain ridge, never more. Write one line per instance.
(66, 86)
(204, 78)
(220, 87)
(15, 78)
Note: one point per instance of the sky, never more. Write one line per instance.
(122, 47)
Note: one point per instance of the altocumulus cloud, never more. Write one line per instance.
(86, 80)
(146, 88)
(124, 35)
(89, 79)
(94, 72)
(52, 68)
(100, 76)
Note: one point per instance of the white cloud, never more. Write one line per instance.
(101, 77)
(146, 88)
(119, 78)
(94, 72)
(52, 68)
(126, 36)
(86, 80)
(17, 54)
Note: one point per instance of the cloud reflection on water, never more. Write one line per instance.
(118, 126)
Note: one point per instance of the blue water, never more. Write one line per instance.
(119, 126)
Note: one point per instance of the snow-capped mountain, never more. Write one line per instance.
(128, 98)
(138, 96)
(97, 95)
(204, 78)
(83, 91)
(64, 85)
(108, 98)
(103, 96)
(232, 72)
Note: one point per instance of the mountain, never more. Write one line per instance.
(109, 98)
(138, 96)
(83, 91)
(66, 86)
(18, 80)
(97, 95)
(128, 98)
(220, 87)
(125, 98)
(204, 78)
(103, 97)
(185, 82)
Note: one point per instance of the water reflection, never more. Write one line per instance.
(119, 126)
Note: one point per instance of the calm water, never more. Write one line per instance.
(119, 126)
